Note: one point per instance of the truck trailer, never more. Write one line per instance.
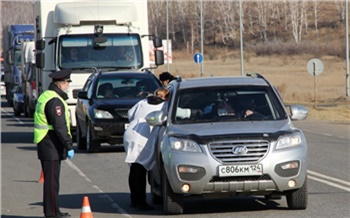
(86, 36)
(13, 36)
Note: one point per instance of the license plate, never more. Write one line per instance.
(240, 170)
(126, 125)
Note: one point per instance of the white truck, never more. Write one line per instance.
(96, 31)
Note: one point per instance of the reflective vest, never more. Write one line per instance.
(41, 126)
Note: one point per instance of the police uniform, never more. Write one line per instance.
(53, 138)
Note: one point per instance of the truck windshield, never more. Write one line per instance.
(122, 51)
(18, 58)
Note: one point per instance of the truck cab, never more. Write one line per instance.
(86, 35)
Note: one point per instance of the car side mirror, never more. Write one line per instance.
(156, 118)
(83, 95)
(298, 112)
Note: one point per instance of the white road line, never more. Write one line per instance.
(324, 134)
(10, 114)
(113, 203)
(328, 177)
(330, 180)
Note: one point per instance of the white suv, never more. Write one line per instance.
(238, 140)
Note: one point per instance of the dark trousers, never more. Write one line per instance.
(137, 184)
(52, 169)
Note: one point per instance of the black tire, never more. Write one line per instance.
(91, 144)
(81, 141)
(172, 202)
(297, 199)
(8, 98)
(26, 109)
(16, 113)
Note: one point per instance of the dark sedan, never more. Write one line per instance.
(103, 104)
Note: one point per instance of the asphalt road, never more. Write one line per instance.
(103, 178)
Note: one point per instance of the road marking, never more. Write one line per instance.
(324, 134)
(334, 182)
(113, 203)
(10, 114)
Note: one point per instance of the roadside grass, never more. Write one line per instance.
(324, 95)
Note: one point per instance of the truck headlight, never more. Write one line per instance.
(102, 114)
(290, 140)
(185, 145)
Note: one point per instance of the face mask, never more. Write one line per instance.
(67, 90)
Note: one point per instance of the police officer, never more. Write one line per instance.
(53, 138)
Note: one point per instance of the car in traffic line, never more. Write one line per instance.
(237, 139)
(103, 104)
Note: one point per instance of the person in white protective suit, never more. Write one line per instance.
(139, 142)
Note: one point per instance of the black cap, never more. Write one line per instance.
(61, 75)
(166, 76)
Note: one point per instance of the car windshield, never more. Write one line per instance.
(227, 104)
(125, 86)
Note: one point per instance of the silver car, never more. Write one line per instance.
(228, 136)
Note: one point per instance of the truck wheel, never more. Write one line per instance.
(8, 98)
(16, 112)
(297, 199)
(81, 142)
(26, 110)
(172, 202)
(91, 145)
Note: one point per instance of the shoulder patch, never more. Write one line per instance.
(58, 110)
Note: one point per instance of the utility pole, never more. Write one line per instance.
(167, 33)
(202, 64)
(347, 47)
(241, 35)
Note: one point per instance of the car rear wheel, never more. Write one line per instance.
(297, 199)
(81, 141)
(172, 202)
(91, 144)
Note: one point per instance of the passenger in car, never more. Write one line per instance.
(106, 91)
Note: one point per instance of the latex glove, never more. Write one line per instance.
(71, 154)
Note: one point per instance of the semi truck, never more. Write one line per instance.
(13, 36)
(28, 79)
(86, 36)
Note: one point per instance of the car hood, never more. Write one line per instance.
(231, 128)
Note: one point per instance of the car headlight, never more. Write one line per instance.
(102, 114)
(290, 140)
(185, 145)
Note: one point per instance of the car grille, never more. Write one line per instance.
(123, 112)
(239, 151)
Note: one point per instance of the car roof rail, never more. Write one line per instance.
(256, 75)
(178, 79)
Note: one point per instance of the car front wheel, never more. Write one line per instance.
(172, 202)
(81, 141)
(91, 144)
(297, 199)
